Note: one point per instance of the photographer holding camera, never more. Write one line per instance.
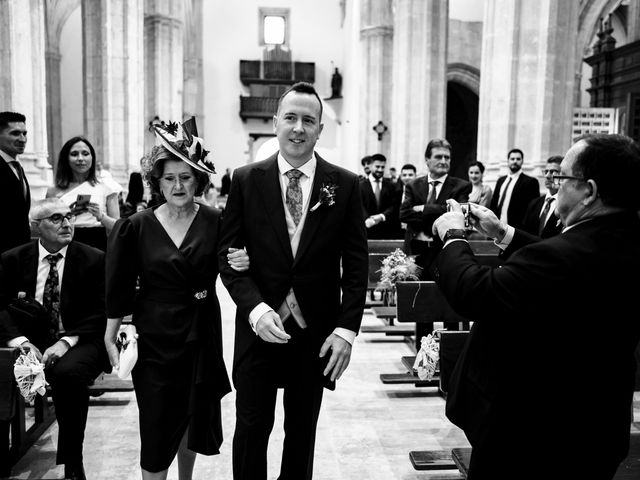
(591, 269)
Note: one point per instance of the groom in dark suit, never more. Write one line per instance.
(300, 305)
(523, 398)
(67, 278)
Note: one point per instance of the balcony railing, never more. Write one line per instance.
(258, 107)
(257, 71)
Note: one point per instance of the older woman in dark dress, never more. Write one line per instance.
(170, 250)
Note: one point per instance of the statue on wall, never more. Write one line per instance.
(336, 84)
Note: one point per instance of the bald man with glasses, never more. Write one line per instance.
(67, 279)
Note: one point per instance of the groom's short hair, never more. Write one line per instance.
(301, 87)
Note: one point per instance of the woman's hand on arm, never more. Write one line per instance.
(238, 259)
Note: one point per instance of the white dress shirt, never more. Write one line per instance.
(308, 170)
(41, 278)
(509, 190)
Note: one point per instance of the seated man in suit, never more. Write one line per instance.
(378, 196)
(67, 278)
(541, 218)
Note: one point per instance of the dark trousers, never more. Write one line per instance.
(294, 367)
(70, 378)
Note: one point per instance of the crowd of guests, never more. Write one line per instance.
(295, 225)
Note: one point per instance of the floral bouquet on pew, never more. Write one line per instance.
(427, 358)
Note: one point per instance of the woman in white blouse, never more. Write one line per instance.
(76, 180)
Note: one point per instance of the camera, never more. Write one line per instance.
(466, 211)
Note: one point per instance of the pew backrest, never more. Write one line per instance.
(384, 246)
(423, 301)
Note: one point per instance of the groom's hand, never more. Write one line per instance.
(340, 356)
(269, 328)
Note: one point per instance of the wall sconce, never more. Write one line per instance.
(380, 128)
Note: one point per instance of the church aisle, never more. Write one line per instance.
(366, 429)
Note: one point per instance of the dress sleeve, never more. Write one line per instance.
(121, 269)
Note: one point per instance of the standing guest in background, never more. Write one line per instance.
(480, 193)
(15, 196)
(541, 218)
(180, 375)
(514, 191)
(67, 278)
(135, 195)
(75, 177)
(225, 183)
(366, 166)
(393, 174)
(407, 174)
(300, 218)
(378, 196)
(425, 200)
(578, 283)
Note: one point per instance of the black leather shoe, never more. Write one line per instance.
(74, 472)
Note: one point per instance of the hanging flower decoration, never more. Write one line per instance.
(397, 267)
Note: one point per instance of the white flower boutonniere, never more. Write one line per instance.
(327, 196)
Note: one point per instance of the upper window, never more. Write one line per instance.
(274, 26)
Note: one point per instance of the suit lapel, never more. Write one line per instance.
(447, 186)
(29, 265)
(267, 183)
(71, 273)
(324, 175)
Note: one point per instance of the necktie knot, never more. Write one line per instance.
(53, 258)
(294, 174)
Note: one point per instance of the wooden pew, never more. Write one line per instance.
(385, 246)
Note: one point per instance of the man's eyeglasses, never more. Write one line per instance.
(58, 218)
(560, 179)
(549, 172)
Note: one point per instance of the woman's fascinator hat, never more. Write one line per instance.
(182, 141)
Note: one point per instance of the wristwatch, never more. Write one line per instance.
(452, 233)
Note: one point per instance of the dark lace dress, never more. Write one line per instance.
(180, 375)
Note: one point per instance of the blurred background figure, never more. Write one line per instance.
(135, 195)
(541, 218)
(480, 193)
(76, 176)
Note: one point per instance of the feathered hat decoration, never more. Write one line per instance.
(182, 140)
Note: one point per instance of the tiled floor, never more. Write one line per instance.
(366, 428)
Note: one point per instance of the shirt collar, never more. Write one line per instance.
(6, 157)
(373, 179)
(515, 175)
(441, 179)
(308, 168)
(43, 252)
(555, 196)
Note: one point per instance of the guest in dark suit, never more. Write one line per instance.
(541, 218)
(15, 196)
(300, 305)
(225, 183)
(514, 191)
(68, 279)
(407, 175)
(425, 200)
(524, 399)
(378, 200)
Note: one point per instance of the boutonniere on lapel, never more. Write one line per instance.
(327, 196)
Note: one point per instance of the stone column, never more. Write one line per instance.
(22, 82)
(376, 42)
(114, 83)
(633, 25)
(163, 62)
(419, 78)
(526, 88)
(57, 14)
(193, 101)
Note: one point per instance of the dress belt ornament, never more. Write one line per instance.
(201, 295)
